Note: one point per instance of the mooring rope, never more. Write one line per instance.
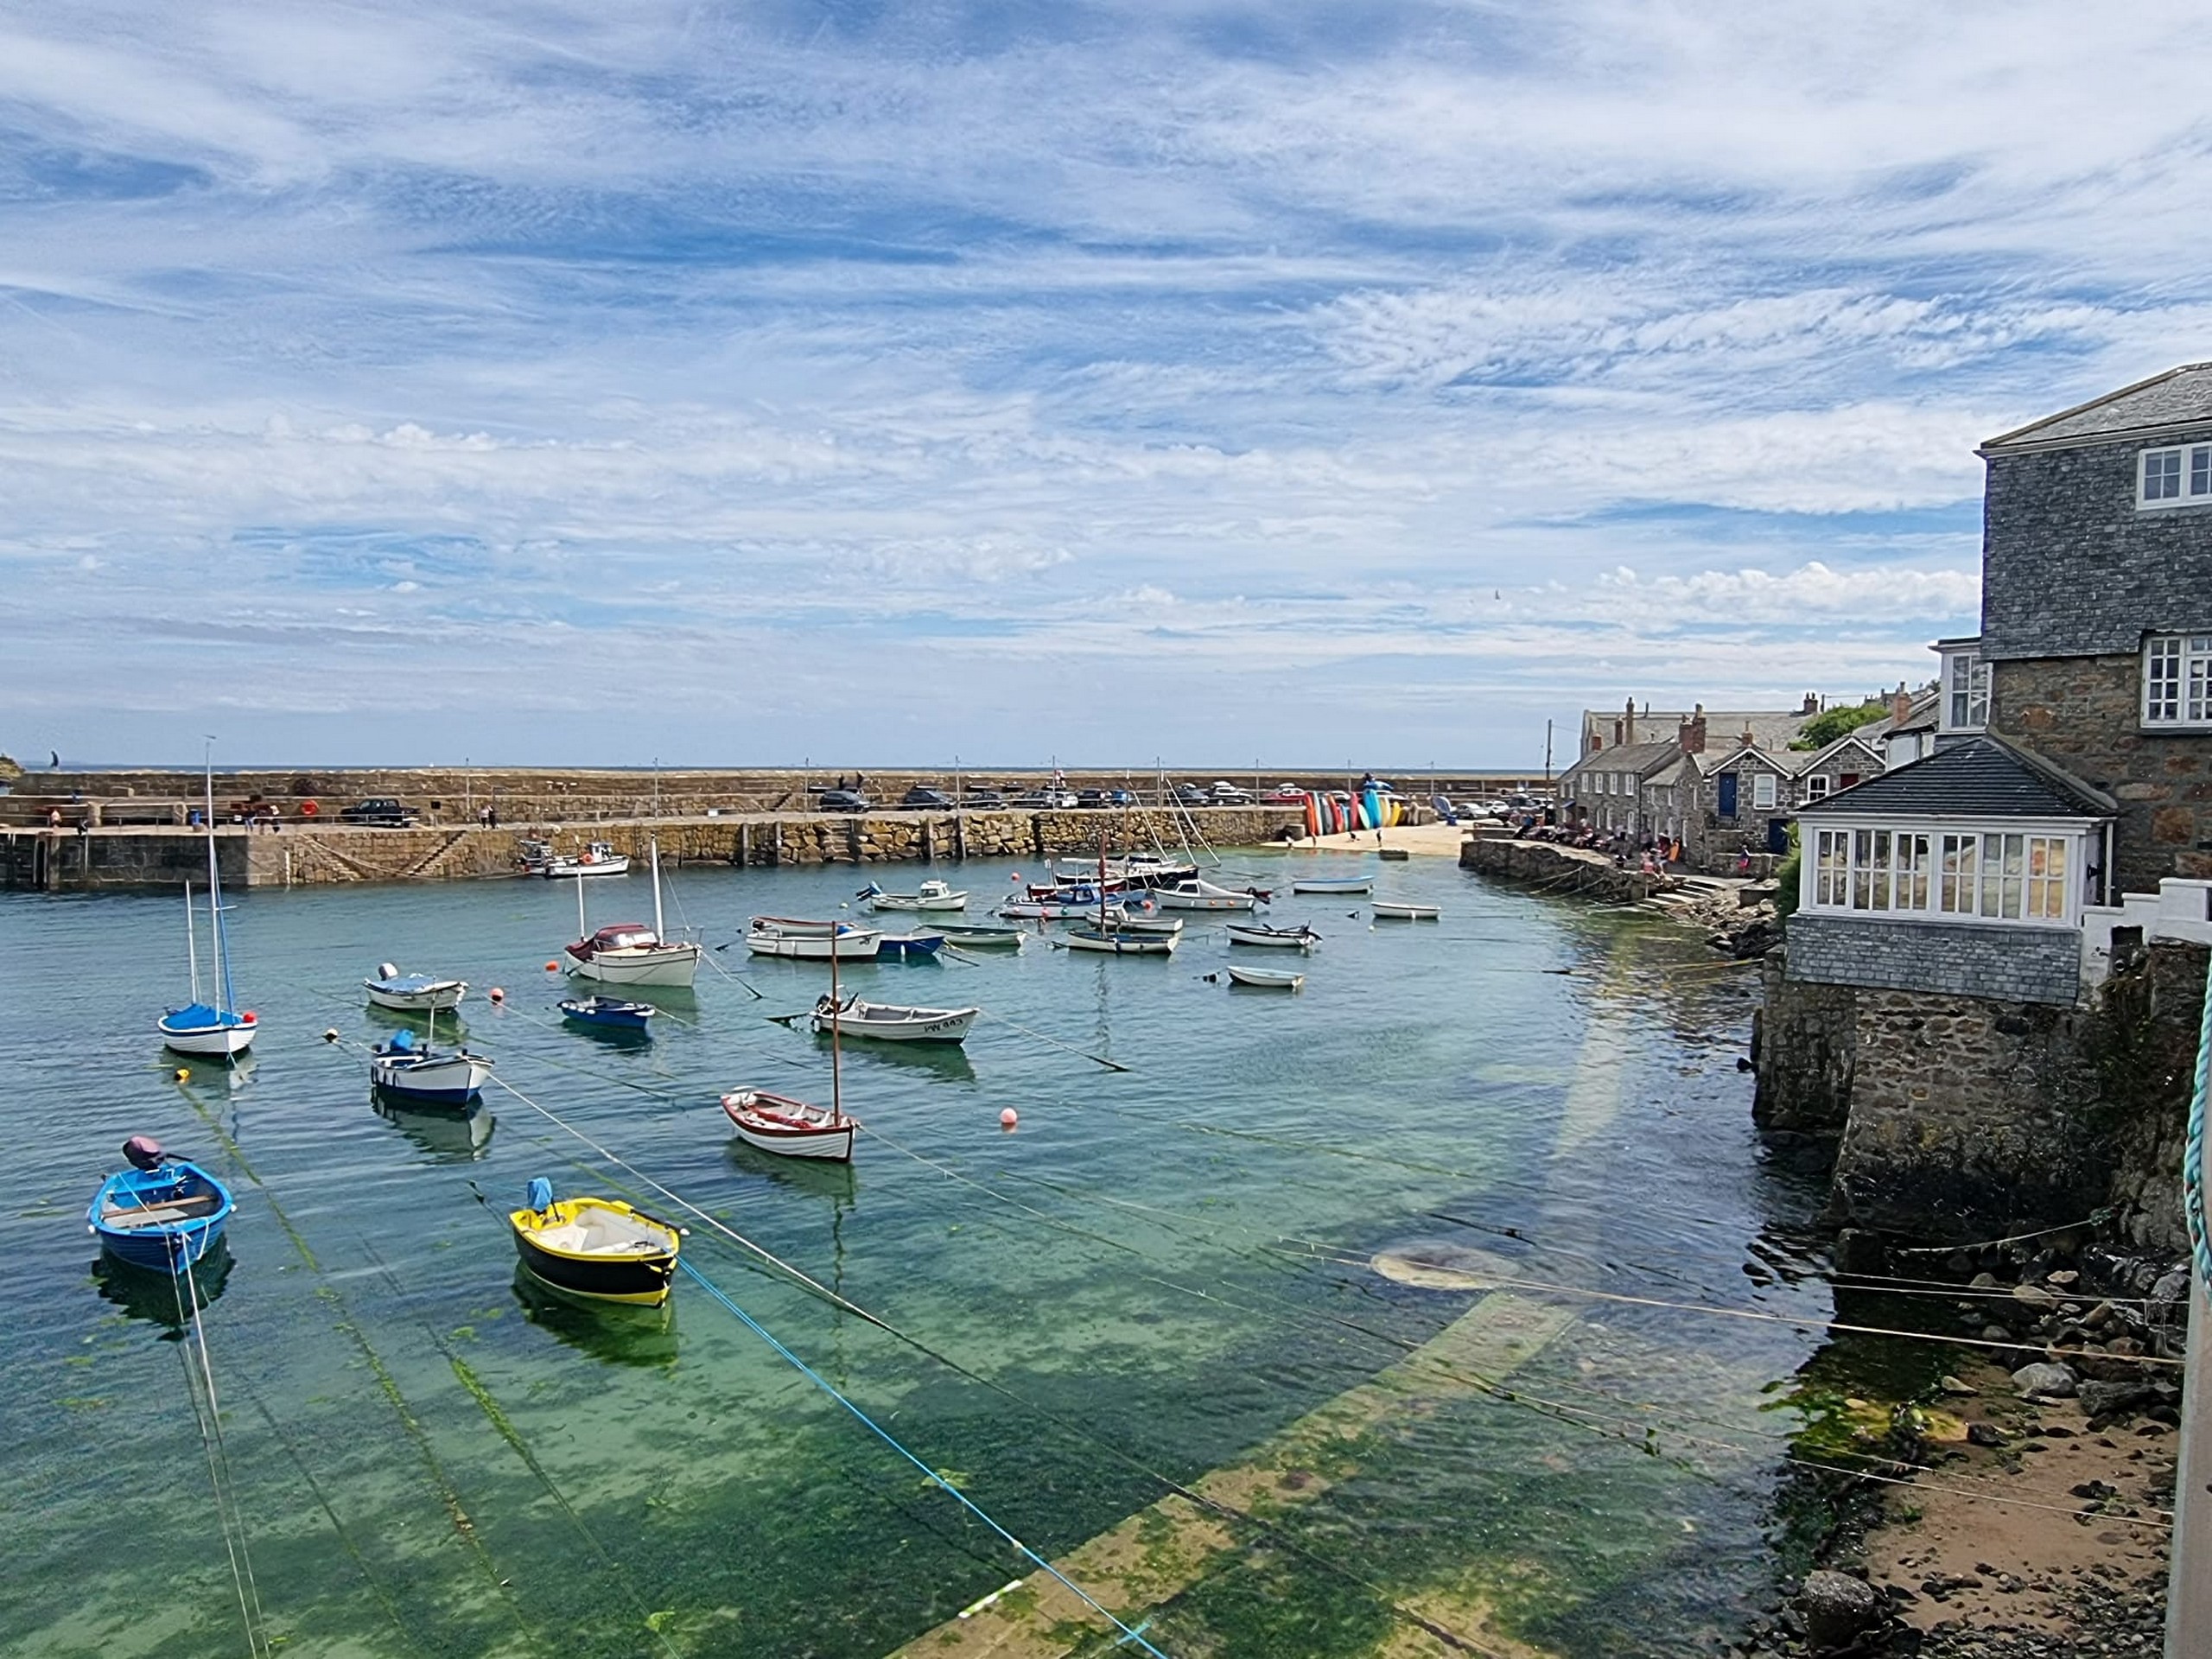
(1128, 1634)
(227, 1515)
(2192, 1165)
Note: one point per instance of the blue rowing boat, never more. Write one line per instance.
(908, 945)
(608, 1012)
(164, 1213)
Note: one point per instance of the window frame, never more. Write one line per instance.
(1963, 705)
(2186, 467)
(1766, 795)
(2021, 873)
(2185, 690)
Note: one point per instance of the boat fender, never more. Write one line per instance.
(498, 993)
(183, 1075)
(145, 1151)
(249, 1017)
(1009, 1118)
(387, 970)
(538, 1195)
(552, 967)
(331, 1035)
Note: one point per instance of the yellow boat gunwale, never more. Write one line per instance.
(529, 1227)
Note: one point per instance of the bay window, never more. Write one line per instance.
(1992, 875)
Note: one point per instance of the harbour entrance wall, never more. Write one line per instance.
(300, 854)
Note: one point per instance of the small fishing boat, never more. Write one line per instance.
(1266, 979)
(599, 1247)
(891, 946)
(799, 927)
(1390, 911)
(845, 941)
(980, 935)
(164, 1212)
(409, 1071)
(630, 953)
(598, 858)
(414, 993)
(932, 895)
(1199, 894)
(608, 1012)
(1114, 941)
(1167, 926)
(1300, 938)
(1340, 884)
(891, 1021)
(1053, 910)
(1136, 870)
(779, 1124)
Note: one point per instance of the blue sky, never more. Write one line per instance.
(877, 383)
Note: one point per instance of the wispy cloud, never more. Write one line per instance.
(1383, 377)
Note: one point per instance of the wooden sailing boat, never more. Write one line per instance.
(220, 1029)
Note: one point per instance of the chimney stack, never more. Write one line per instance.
(1900, 704)
(1812, 702)
(1693, 733)
(1631, 724)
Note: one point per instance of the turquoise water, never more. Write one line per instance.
(1157, 1270)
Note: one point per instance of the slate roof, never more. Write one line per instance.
(1772, 728)
(2181, 396)
(1638, 757)
(1981, 777)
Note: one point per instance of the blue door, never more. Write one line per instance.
(1778, 835)
(1727, 794)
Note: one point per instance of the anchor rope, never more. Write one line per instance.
(232, 1523)
(2192, 1166)
(1129, 1634)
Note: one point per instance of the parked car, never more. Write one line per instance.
(1034, 800)
(1286, 794)
(1120, 797)
(921, 799)
(841, 800)
(982, 799)
(384, 811)
(1225, 793)
(1091, 798)
(1191, 795)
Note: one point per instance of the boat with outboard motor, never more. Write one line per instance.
(931, 895)
(891, 1021)
(414, 993)
(409, 1071)
(598, 1248)
(164, 1213)
(1199, 894)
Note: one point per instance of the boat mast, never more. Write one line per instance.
(215, 893)
(836, 1025)
(583, 928)
(191, 943)
(655, 846)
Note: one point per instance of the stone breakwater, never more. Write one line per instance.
(319, 852)
(1556, 868)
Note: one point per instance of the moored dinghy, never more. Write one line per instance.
(894, 946)
(1266, 979)
(1112, 939)
(1389, 910)
(608, 1012)
(891, 1021)
(414, 993)
(791, 1128)
(1340, 884)
(163, 1213)
(1199, 894)
(980, 935)
(1300, 938)
(401, 1066)
(812, 941)
(599, 1247)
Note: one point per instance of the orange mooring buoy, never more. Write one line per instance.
(1008, 1118)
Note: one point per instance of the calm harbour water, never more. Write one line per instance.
(1159, 1270)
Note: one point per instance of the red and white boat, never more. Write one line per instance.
(790, 1127)
(630, 953)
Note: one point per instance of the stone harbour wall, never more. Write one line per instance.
(1553, 867)
(306, 855)
(1959, 1118)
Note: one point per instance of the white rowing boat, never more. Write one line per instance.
(414, 993)
(1337, 884)
(1111, 941)
(1266, 979)
(849, 942)
(974, 936)
(1199, 894)
(1390, 910)
(891, 1023)
(1282, 938)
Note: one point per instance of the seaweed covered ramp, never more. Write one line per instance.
(1163, 1550)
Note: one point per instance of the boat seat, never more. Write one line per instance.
(128, 1216)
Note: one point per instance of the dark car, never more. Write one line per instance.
(1036, 800)
(1225, 793)
(1091, 798)
(841, 800)
(975, 798)
(918, 800)
(1191, 795)
(384, 811)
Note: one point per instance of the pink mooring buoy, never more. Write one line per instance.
(1008, 1118)
(498, 993)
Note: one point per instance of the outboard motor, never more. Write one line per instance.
(387, 970)
(144, 1152)
(538, 1195)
